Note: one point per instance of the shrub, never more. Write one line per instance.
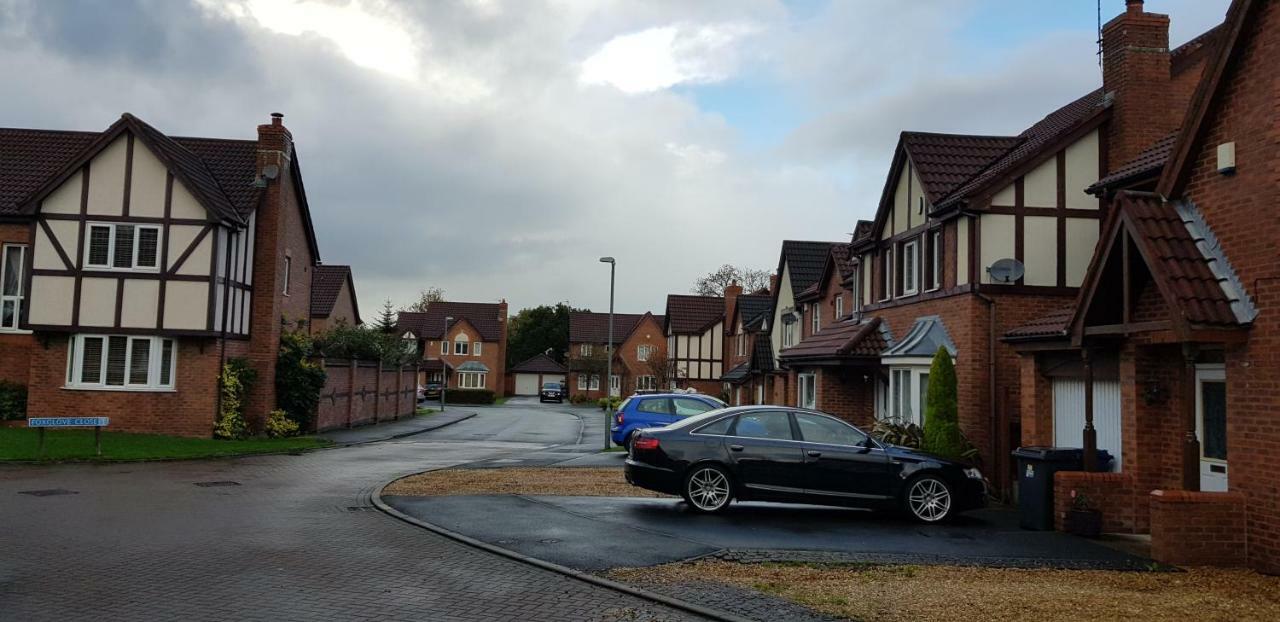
(280, 425)
(941, 426)
(234, 382)
(299, 378)
(13, 401)
(609, 403)
(579, 398)
(356, 342)
(898, 433)
(469, 396)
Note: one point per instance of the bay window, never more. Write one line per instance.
(12, 262)
(471, 380)
(908, 387)
(121, 362)
(123, 247)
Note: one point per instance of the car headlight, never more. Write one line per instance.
(973, 473)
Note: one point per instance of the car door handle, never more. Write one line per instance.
(813, 454)
(736, 448)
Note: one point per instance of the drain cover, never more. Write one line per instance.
(217, 484)
(51, 492)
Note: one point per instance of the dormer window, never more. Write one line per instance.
(123, 247)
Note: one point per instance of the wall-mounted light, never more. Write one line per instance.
(1227, 158)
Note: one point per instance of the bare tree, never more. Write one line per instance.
(713, 284)
(425, 298)
(661, 368)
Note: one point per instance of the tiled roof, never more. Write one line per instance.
(945, 161)
(1150, 160)
(845, 259)
(220, 172)
(540, 364)
(739, 373)
(1032, 140)
(687, 314)
(1186, 256)
(804, 260)
(752, 306)
(844, 341)
(592, 327)
(762, 355)
(28, 158)
(326, 284)
(483, 316)
(926, 335)
(1188, 53)
(1053, 324)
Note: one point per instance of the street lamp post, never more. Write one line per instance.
(444, 365)
(608, 365)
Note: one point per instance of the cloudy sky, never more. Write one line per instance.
(496, 149)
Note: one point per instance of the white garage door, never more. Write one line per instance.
(1068, 415)
(552, 378)
(527, 384)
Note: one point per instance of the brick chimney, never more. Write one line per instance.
(773, 283)
(1135, 74)
(731, 293)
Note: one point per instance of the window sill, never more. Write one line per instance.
(123, 270)
(69, 387)
(14, 331)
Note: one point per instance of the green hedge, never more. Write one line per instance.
(468, 396)
(13, 401)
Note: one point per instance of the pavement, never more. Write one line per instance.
(398, 429)
(600, 533)
(282, 537)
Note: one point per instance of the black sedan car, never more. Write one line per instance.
(770, 453)
(551, 392)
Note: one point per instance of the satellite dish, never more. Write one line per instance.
(1006, 270)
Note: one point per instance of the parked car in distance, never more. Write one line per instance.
(551, 392)
(656, 410)
(429, 392)
(772, 453)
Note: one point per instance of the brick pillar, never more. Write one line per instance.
(351, 389)
(1036, 398)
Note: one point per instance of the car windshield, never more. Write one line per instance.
(695, 419)
(551, 386)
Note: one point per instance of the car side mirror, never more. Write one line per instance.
(867, 444)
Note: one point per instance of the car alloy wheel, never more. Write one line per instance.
(929, 499)
(707, 489)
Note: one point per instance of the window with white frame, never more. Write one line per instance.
(12, 262)
(908, 387)
(475, 348)
(788, 333)
(444, 346)
(643, 352)
(471, 379)
(121, 362)
(839, 312)
(595, 382)
(646, 383)
(288, 268)
(582, 382)
(742, 341)
(807, 395)
(615, 385)
(461, 346)
(814, 318)
(122, 247)
(584, 349)
(910, 267)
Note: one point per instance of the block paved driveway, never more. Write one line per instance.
(293, 538)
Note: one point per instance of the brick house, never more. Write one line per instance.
(1169, 349)
(333, 298)
(462, 343)
(639, 363)
(748, 353)
(146, 261)
(800, 266)
(695, 341)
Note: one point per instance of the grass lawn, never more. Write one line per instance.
(953, 594)
(23, 444)
(423, 412)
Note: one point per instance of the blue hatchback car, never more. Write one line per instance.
(655, 411)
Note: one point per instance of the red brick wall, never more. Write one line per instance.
(1036, 403)
(1240, 210)
(188, 410)
(1198, 528)
(1111, 493)
(362, 394)
(848, 393)
(15, 347)
(492, 356)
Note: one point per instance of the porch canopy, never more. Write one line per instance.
(1160, 277)
(850, 342)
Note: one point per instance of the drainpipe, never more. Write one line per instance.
(991, 382)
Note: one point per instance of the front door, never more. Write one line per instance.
(1211, 426)
(838, 463)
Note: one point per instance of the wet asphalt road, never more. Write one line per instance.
(278, 538)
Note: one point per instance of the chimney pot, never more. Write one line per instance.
(1133, 6)
(277, 118)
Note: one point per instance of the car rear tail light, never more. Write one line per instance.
(618, 417)
(645, 444)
